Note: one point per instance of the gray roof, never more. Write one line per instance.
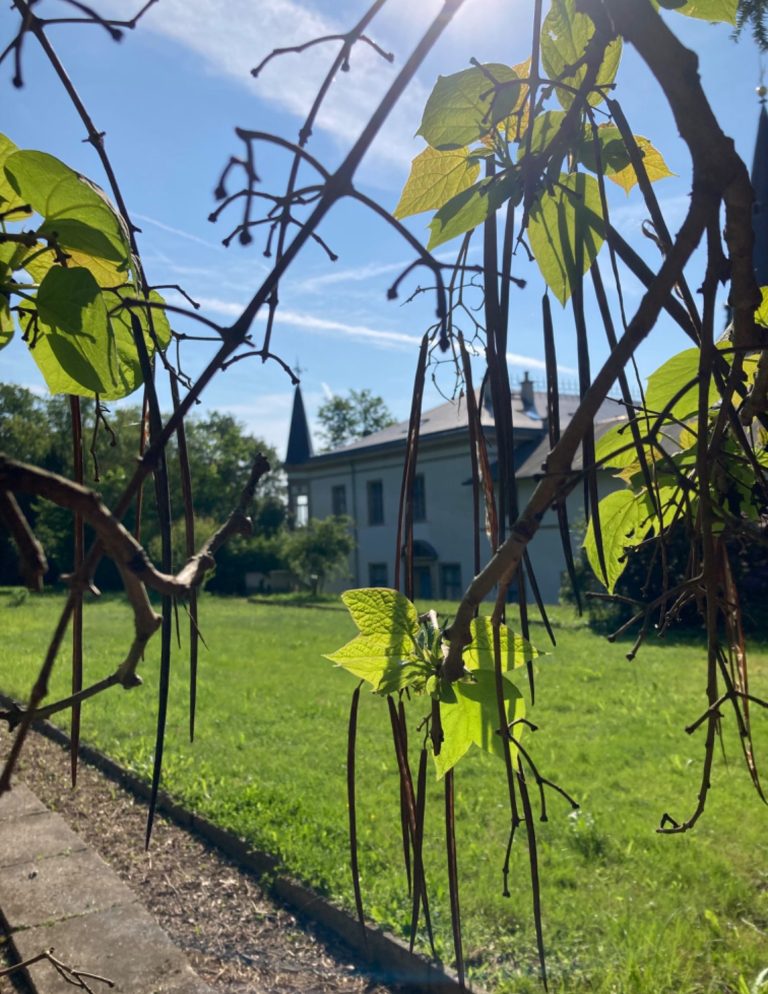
(449, 421)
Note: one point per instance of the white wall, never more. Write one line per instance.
(448, 524)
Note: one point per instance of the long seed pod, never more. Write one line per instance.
(453, 874)
(77, 614)
(405, 508)
(410, 798)
(352, 807)
(189, 536)
(418, 845)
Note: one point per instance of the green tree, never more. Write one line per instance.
(343, 419)
(319, 550)
(220, 450)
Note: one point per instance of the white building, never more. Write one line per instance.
(363, 480)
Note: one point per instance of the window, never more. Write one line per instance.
(339, 500)
(299, 500)
(378, 575)
(375, 502)
(419, 499)
(422, 582)
(450, 581)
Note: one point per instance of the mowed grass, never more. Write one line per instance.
(626, 910)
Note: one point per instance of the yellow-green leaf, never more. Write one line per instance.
(466, 105)
(654, 163)
(6, 322)
(705, 10)
(78, 347)
(564, 38)
(625, 520)
(388, 624)
(761, 314)
(668, 381)
(74, 210)
(10, 201)
(435, 178)
(566, 232)
(469, 715)
(614, 157)
(471, 207)
(515, 650)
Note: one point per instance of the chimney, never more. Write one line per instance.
(526, 393)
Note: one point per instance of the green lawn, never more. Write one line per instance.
(626, 911)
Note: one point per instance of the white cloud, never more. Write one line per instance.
(312, 323)
(360, 274)
(178, 232)
(227, 308)
(240, 36)
(356, 275)
(529, 362)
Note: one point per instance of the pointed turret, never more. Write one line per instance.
(760, 207)
(299, 440)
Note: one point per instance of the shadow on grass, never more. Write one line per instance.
(319, 603)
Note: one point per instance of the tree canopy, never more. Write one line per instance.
(344, 419)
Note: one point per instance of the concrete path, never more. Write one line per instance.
(57, 894)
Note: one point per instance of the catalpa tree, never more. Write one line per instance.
(518, 158)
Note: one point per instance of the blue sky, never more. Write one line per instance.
(169, 97)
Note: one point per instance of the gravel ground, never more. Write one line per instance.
(234, 935)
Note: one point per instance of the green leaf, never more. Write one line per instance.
(106, 273)
(78, 347)
(761, 314)
(706, 10)
(545, 127)
(6, 321)
(469, 714)
(9, 198)
(7, 252)
(565, 35)
(374, 659)
(671, 499)
(670, 378)
(566, 232)
(467, 105)
(435, 178)
(74, 210)
(515, 650)
(160, 323)
(388, 625)
(615, 448)
(381, 611)
(65, 300)
(471, 207)
(625, 520)
(614, 157)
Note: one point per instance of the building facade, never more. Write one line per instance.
(363, 480)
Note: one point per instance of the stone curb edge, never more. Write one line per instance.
(388, 955)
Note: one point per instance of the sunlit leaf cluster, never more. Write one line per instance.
(398, 650)
(668, 424)
(68, 281)
(497, 135)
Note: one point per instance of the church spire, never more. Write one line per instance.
(299, 440)
(760, 186)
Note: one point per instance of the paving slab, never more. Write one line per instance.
(124, 944)
(18, 802)
(35, 836)
(59, 887)
(57, 894)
